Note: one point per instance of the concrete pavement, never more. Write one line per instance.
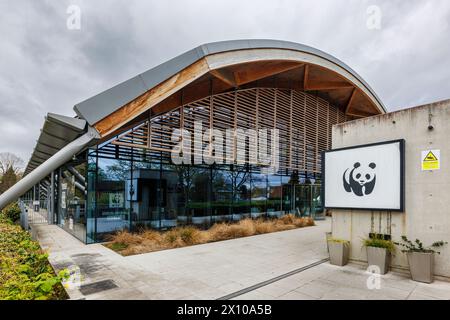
(214, 270)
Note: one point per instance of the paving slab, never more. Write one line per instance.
(215, 270)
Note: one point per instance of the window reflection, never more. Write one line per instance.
(259, 195)
(113, 211)
(222, 196)
(123, 194)
(274, 194)
(72, 198)
(241, 182)
(198, 203)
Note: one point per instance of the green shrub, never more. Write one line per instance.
(377, 242)
(417, 246)
(11, 212)
(25, 273)
(338, 240)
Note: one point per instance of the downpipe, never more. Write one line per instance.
(51, 164)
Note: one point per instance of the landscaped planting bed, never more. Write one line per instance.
(25, 273)
(147, 240)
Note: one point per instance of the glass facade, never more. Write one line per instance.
(95, 196)
(126, 194)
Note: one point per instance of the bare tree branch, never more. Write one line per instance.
(8, 160)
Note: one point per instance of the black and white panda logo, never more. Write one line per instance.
(361, 179)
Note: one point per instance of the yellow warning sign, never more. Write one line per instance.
(430, 157)
(431, 160)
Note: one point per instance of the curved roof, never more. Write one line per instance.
(99, 107)
(227, 61)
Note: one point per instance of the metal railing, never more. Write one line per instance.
(34, 212)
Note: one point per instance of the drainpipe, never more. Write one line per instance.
(51, 164)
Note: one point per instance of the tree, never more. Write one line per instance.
(9, 160)
(9, 178)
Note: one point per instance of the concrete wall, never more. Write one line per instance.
(427, 194)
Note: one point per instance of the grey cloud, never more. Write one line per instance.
(44, 67)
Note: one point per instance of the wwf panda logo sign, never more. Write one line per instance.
(367, 177)
(360, 179)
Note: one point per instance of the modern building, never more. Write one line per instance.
(112, 167)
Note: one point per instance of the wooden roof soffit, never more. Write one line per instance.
(350, 101)
(239, 78)
(225, 76)
(155, 95)
(232, 75)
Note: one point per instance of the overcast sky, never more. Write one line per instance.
(46, 67)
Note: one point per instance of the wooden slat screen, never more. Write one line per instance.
(304, 122)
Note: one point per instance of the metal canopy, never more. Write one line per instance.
(57, 132)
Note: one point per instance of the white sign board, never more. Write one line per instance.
(368, 177)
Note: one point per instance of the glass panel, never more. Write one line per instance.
(145, 191)
(259, 195)
(303, 200)
(184, 183)
(274, 194)
(91, 199)
(241, 181)
(113, 211)
(199, 189)
(222, 195)
(72, 204)
(173, 203)
(287, 203)
(316, 202)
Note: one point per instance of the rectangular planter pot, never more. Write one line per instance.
(379, 257)
(421, 266)
(339, 252)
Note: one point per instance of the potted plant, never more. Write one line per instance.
(339, 251)
(420, 258)
(379, 252)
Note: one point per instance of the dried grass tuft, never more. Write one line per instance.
(288, 219)
(151, 235)
(126, 237)
(147, 240)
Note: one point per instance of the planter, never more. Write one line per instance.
(421, 266)
(379, 257)
(339, 252)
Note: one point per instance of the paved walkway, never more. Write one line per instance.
(348, 283)
(214, 270)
